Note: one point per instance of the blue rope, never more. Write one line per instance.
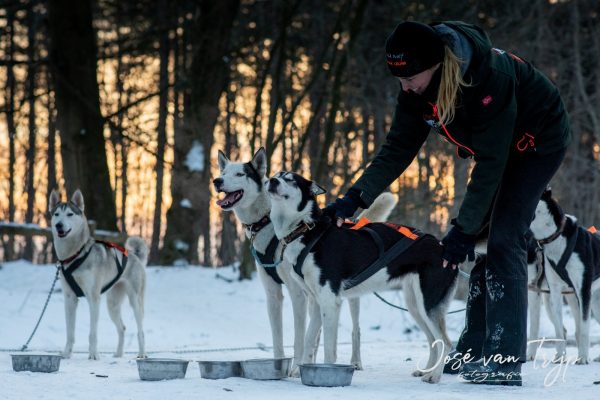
(255, 255)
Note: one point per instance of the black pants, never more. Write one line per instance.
(496, 316)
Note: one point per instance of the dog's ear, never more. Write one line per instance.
(223, 161)
(547, 193)
(316, 190)
(77, 199)
(259, 160)
(54, 200)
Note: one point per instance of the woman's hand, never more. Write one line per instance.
(343, 207)
(457, 246)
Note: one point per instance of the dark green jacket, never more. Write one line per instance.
(509, 108)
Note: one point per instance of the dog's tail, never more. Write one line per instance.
(381, 208)
(136, 245)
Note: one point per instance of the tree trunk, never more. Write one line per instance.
(30, 155)
(164, 50)
(188, 217)
(73, 55)
(12, 129)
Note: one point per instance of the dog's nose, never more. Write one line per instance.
(218, 182)
(59, 226)
(273, 182)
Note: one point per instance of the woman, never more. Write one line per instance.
(499, 110)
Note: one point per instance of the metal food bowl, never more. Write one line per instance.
(220, 369)
(36, 362)
(328, 375)
(158, 369)
(266, 368)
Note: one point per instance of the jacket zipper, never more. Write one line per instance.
(456, 142)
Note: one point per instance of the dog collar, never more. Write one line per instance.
(74, 256)
(255, 227)
(556, 234)
(299, 231)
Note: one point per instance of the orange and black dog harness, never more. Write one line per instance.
(409, 237)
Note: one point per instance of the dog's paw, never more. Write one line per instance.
(597, 359)
(295, 372)
(93, 356)
(142, 356)
(357, 365)
(66, 354)
(417, 373)
(431, 378)
(582, 361)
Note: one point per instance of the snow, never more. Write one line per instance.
(185, 203)
(193, 314)
(181, 245)
(194, 160)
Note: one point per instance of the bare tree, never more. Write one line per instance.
(73, 55)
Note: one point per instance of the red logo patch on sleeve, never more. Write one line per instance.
(486, 100)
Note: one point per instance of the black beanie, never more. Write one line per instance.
(412, 48)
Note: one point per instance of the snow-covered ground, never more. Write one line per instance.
(193, 314)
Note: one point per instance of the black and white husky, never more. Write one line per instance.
(245, 195)
(340, 254)
(572, 264)
(90, 268)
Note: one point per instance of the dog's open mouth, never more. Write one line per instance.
(230, 199)
(62, 233)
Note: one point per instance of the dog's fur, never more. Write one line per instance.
(341, 253)
(245, 195)
(583, 268)
(71, 233)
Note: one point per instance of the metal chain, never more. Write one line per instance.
(44, 310)
(404, 309)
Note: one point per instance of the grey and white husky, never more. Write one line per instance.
(339, 255)
(243, 184)
(88, 268)
(578, 274)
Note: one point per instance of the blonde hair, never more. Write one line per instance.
(450, 85)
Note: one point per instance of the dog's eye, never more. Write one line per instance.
(56, 214)
(240, 174)
(69, 214)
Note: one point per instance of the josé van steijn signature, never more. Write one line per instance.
(558, 366)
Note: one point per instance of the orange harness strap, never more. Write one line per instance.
(399, 228)
(592, 229)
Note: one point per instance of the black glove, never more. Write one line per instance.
(344, 207)
(457, 246)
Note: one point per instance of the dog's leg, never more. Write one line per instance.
(299, 308)
(313, 333)
(274, 309)
(595, 306)
(354, 304)
(71, 302)
(431, 325)
(534, 300)
(582, 328)
(94, 303)
(114, 300)
(413, 309)
(330, 305)
(553, 302)
(136, 300)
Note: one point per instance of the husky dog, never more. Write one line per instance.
(572, 265)
(245, 195)
(339, 254)
(88, 268)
